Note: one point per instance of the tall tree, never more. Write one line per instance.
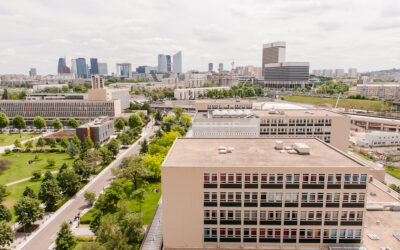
(39, 123)
(178, 112)
(145, 147)
(4, 121)
(19, 123)
(73, 123)
(134, 121)
(113, 146)
(17, 143)
(6, 234)
(131, 226)
(28, 210)
(64, 143)
(77, 142)
(5, 94)
(65, 240)
(133, 168)
(3, 192)
(119, 124)
(82, 168)
(5, 213)
(50, 194)
(88, 143)
(69, 181)
(40, 143)
(72, 149)
(53, 142)
(29, 192)
(57, 124)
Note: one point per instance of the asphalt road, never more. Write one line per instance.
(47, 233)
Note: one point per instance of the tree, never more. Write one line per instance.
(178, 112)
(145, 147)
(17, 143)
(119, 124)
(88, 143)
(187, 120)
(125, 138)
(65, 240)
(72, 149)
(90, 246)
(147, 107)
(77, 142)
(158, 116)
(90, 197)
(28, 144)
(53, 142)
(28, 210)
(110, 234)
(142, 116)
(50, 194)
(39, 123)
(64, 142)
(4, 121)
(57, 124)
(5, 94)
(134, 121)
(65, 89)
(69, 181)
(131, 226)
(92, 157)
(73, 123)
(36, 174)
(40, 143)
(4, 165)
(113, 146)
(106, 155)
(29, 192)
(133, 168)
(19, 123)
(6, 234)
(140, 196)
(5, 213)
(49, 176)
(3, 192)
(82, 168)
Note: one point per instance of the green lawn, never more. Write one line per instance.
(148, 207)
(393, 171)
(8, 139)
(15, 192)
(343, 103)
(20, 169)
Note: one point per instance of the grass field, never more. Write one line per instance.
(8, 139)
(343, 103)
(393, 171)
(20, 169)
(148, 207)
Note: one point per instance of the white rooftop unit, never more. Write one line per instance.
(302, 148)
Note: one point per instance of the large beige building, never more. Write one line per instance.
(261, 194)
(389, 90)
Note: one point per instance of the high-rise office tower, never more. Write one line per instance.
(124, 69)
(177, 62)
(210, 67)
(81, 68)
(94, 66)
(73, 67)
(273, 53)
(352, 72)
(221, 67)
(62, 66)
(162, 63)
(32, 72)
(169, 64)
(103, 69)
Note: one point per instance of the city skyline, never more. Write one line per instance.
(360, 36)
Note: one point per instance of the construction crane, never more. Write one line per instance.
(337, 101)
(233, 67)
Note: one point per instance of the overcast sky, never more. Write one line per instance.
(327, 33)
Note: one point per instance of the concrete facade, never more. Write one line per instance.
(386, 91)
(375, 139)
(193, 93)
(99, 130)
(286, 75)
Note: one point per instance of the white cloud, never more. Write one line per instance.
(7, 52)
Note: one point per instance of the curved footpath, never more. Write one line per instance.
(47, 232)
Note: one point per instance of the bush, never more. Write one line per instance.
(36, 174)
(7, 151)
(51, 162)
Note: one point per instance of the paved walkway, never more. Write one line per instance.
(153, 239)
(3, 148)
(25, 179)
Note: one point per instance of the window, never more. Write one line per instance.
(332, 197)
(310, 233)
(250, 197)
(210, 178)
(292, 197)
(250, 232)
(210, 196)
(311, 215)
(289, 233)
(331, 215)
(210, 214)
(290, 216)
(230, 215)
(270, 215)
(271, 197)
(210, 233)
(292, 178)
(313, 178)
(269, 233)
(250, 215)
(312, 197)
(353, 197)
(230, 197)
(251, 178)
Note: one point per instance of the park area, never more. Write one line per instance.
(8, 139)
(343, 103)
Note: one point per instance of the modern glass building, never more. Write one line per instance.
(94, 66)
(81, 68)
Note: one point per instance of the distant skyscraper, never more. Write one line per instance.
(177, 62)
(273, 53)
(32, 72)
(352, 72)
(62, 66)
(124, 70)
(169, 64)
(81, 68)
(103, 69)
(141, 69)
(94, 66)
(162, 63)
(339, 72)
(73, 67)
(210, 67)
(221, 67)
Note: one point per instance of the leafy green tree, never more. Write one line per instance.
(19, 123)
(29, 192)
(69, 181)
(17, 143)
(39, 123)
(5, 213)
(131, 226)
(48, 176)
(110, 235)
(178, 112)
(73, 123)
(147, 107)
(72, 149)
(65, 240)
(28, 144)
(50, 194)
(139, 195)
(187, 120)
(144, 147)
(153, 163)
(92, 157)
(64, 142)
(57, 124)
(3, 192)
(90, 246)
(142, 116)
(125, 138)
(134, 121)
(40, 143)
(88, 143)
(4, 121)
(5, 94)
(133, 168)
(53, 142)
(108, 202)
(82, 168)
(106, 155)
(65, 89)
(77, 142)
(28, 210)
(6, 234)
(113, 146)
(36, 174)
(90, 197)
(119, 124)
(158, 116)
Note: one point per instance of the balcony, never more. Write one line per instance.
(350, 223)
(292, 186)
(210, 239)
(331, 241)
(334, 186)
(331, 223)
(248, 185)
(250, 222)
(272, 186)
(309, 240)
(250, 204)
(230, 185)
(312, 204)
(210, 185)
(271, 204)
(210, 203)
(230, 222)
(355, 186)
(230, 204)
(270, 222)
(270, 240)
(229, 240)
(289, 240)
(291, 204)
(313, 186)
(310, 223)
(349, 240)
(290, 222)
(245, 239)
(353, 204)
(210, 222)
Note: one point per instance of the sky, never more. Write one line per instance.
(327, 33)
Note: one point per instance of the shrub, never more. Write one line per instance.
(36, 174)
(51, 162)
(7, 151)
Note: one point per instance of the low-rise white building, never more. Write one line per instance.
(375, 139)
(193, 93)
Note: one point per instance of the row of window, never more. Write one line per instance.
(327, 122)
(254, 215)
(282, 233)
(272, 178)
(297, 130)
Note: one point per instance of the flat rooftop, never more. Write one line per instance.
(297, 113)
(253, 152)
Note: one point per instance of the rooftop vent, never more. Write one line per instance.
(225, 150)
(279, 145)
(302, 148)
